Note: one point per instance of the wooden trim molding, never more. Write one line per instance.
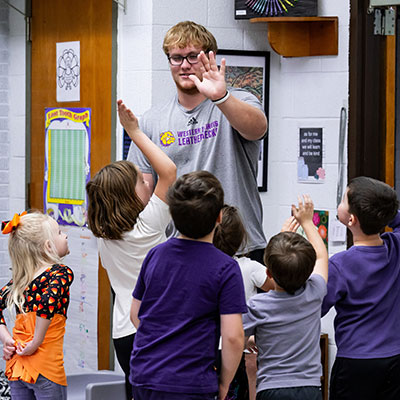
(390, 108)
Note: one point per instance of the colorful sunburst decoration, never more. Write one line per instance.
(270, 7)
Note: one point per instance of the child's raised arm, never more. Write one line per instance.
(304, 214)
(162, 164)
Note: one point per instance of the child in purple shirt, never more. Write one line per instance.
(188, 294)
(364, 288)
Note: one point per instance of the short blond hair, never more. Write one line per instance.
(189, 33)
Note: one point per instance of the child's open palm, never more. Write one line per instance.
(127, 118)
(290, 225)
(305, 210)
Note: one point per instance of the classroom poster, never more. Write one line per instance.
(321, 222)
(67, 164)
(68, 71)
(310, 161)
(80, 342)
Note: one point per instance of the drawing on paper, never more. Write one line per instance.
(68, 69)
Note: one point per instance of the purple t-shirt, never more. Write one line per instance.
(364, 287)
(184, 286)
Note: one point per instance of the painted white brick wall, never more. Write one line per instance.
(304, 92)
(12, 131)
(4, 138)
(4, 132)
(15, 145)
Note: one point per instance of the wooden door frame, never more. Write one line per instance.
(390, 109)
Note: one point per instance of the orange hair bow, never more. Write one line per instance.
(9, 226)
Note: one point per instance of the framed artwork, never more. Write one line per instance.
(245, 9)
(249, 70)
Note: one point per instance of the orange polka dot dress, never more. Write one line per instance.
(47, 296)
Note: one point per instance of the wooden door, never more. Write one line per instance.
(372, 109)
(89, 22)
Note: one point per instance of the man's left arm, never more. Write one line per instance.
(248, 120)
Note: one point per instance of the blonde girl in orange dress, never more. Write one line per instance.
(39, 292)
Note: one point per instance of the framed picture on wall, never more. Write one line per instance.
(249, 70)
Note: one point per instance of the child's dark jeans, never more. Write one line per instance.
(366, 379)
(42, 389)
(294, 393)
(146, 394)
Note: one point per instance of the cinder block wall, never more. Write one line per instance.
(4, 131)
(12, 123)
(12, 120)
(17, 139)
(4, 139)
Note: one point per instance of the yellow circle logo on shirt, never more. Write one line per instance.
(167, 138)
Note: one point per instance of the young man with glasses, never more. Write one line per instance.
(208, 126)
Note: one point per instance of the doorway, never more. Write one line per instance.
(92, 23)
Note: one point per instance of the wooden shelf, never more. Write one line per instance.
(302, 36)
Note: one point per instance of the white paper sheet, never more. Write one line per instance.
(80, 343)
(68, 71)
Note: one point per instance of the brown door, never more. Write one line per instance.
(89, 22)
(372, 109)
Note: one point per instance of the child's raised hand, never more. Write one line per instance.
(127, 118)
(290, 225)
(305, 210)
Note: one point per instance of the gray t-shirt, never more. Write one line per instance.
(203, 139)
(287, 330)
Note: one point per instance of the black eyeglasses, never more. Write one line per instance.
(178, 60)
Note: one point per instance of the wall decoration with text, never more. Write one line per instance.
(67, 164)
(310, 160)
